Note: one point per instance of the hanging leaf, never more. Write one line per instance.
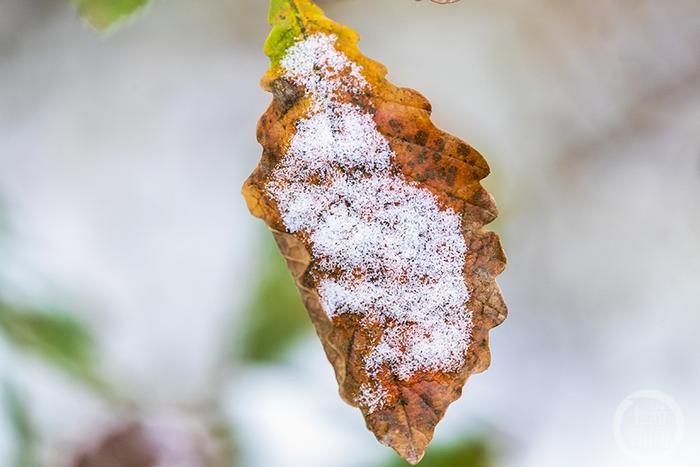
(104, 14)
(381, 217)
(56, 337)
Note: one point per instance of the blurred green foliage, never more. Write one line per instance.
(474, 452)
(275, 318)
(53, 336)
(103, 14)
(21, 425)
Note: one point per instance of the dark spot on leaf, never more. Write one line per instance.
(463, 149)
(286, 93)
(395, 125)
(421, 137)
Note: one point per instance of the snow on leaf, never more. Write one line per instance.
(381, 217)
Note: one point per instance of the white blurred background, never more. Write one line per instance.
(121, 162)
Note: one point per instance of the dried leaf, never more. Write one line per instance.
(374, 209)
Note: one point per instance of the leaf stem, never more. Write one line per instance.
(298, 16)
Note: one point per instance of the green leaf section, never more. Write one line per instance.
(103, 14)
(468, 453)
(275, 318)
(20, 422)
(288, 19)
(53, 336)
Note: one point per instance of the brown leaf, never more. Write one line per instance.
(423, 157)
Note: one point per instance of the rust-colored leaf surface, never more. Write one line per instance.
(375, 209)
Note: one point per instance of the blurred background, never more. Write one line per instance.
(146, 319)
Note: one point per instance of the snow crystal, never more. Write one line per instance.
(385, 249)
(372, 397)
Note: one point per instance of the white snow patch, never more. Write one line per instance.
(385, 249)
